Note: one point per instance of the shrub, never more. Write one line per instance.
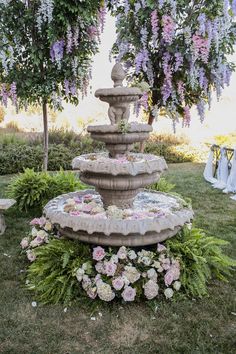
(15, 157)
(201, 259)
(32, 190)
(162, 186)
(59, 156)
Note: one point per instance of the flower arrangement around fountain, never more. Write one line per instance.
(107, 243)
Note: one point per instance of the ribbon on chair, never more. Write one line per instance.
(208, 172)
(231, 182)
(222, 170)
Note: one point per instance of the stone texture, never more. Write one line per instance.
(126, 232)
(4, 205)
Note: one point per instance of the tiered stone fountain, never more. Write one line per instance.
(119, 211)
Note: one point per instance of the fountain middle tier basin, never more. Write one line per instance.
(119, 180)
(155, 217)
(118, 142)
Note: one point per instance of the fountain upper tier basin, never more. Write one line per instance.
(154, 217)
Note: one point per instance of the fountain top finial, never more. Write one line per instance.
(118, 75)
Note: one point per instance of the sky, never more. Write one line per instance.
(220, 120)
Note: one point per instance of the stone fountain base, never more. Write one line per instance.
(154, 218)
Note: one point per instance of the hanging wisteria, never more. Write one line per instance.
(180, 48)
(46, 50)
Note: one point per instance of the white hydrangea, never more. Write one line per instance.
(104, 291)
(151, 289)
(132, 274)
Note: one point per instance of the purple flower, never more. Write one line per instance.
(57, 52)
(154, 23)
(70, 43)
(201, 110)
(102, 17)
(98, 253)
(187, 117)
(168, 29)
(4, 94)
(67, 87)
(141, 61)
(234, 7)
(202, 24)
(178, 61)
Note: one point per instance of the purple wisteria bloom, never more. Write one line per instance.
(13, 93)
(57, 52)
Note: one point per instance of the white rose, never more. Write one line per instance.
(42, 234)
(79, 274)
(34, 232)
(152, 274)
(48, 226)
(132, 255)
(168, 293)
(177, 285)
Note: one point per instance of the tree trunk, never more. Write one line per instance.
(45, 136)
(143, 143)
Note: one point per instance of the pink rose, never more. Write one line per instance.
(31, 255)
(92, 293)
(87, 208)
(129, 294)
(160, 248)
(98, 253)
(166, 263)
(110, 268)
(118, 283)
(100, 268)
(24, 243)
(169, 277)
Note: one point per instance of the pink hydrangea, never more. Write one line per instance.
(151, 290)
(118, 283)
(110, 268)
(129, 294)
(98, 253)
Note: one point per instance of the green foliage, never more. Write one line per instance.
(15, 157)
(201, 258)
(28, 53)
(163, 186)
(51, 276)
(32, 190)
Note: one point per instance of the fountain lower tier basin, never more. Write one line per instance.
(155, 217)
(118, 142)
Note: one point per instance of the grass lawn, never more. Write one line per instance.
(189, 326)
